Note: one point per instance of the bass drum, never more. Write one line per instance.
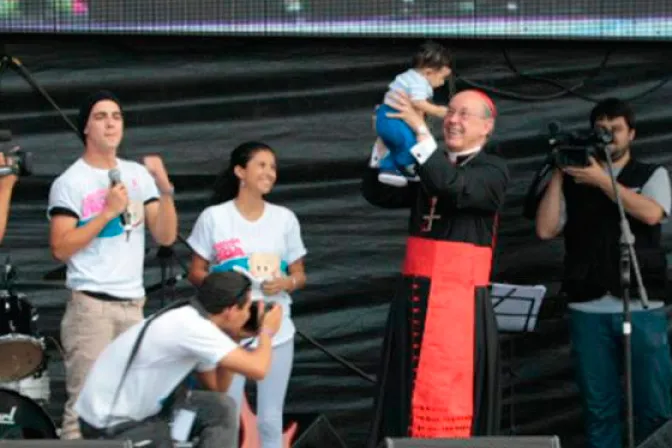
(36, 387)
(21, 418)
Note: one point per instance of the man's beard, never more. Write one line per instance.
(617, 155)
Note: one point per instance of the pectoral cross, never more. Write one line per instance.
(431, 217)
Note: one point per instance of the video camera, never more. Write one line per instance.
(18, 162)
(575, 148)
(253, 324)
(567, 149)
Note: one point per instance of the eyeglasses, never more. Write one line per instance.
(462, 114)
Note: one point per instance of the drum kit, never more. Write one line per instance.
(24, 381)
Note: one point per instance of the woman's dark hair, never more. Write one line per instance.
(227, 184)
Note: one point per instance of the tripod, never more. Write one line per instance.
(166, 254)
(628, 260)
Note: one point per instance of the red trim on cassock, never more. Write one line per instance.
(443, 392)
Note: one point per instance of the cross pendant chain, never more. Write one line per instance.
(431, 217)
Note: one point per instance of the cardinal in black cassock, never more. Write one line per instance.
(439, 376)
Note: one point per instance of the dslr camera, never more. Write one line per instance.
(253, 324)
(575, 149)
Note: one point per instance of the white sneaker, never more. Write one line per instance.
(395, 180)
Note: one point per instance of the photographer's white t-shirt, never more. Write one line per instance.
(110, 263)
(174, 344)
(224, 238)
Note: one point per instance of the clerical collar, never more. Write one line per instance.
(459, 157)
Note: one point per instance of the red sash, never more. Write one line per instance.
(443, 392)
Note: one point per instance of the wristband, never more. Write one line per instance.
(170, 192)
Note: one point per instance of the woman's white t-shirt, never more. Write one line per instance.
(265, 247)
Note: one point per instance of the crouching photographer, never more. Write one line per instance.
(579, 201)
(135, 389)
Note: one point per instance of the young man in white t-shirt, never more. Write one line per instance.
(98, 229)
(200, 336)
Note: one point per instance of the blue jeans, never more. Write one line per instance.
(398, 137)
(597, 349)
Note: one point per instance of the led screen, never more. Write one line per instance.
(594, 19)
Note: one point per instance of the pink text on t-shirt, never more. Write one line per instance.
(227, 249)
(93, 203)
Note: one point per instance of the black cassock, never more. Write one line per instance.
(439, 376)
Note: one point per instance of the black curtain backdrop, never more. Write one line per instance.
(193, 101)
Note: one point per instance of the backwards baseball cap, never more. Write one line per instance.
(85, 109)
(222, 290)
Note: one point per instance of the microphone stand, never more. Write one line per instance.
(347, 364)
(8, 61)
(8, 276)
(166, 255)
(628, 259)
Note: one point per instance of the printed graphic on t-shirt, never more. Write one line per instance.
(264, 265)
(94, 203)
(261, 265)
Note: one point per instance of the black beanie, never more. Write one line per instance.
(85, 109)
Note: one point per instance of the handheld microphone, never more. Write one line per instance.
(115, 178)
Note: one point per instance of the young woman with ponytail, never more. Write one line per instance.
(240, 228)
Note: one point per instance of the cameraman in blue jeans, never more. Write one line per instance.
(580, 203)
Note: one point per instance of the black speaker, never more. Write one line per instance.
(662, 438)
(314, 431)
(46, 443)
(475, 442)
